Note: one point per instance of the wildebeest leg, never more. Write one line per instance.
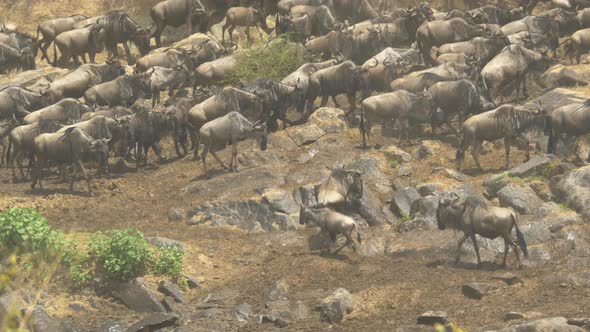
(86, 176)
(475, 152)
(223, 29)
(158, 35)
(505, 252)
(196, 142)
(146, 149)
(158, 151)
(459, 245)
(335, 102)
(507, 150)
(248, 38)
(83, 56)
(514, 248)
(351, 102)
(234, 154)
(130, 60)
(476, 247)
(347, 242)
(231, 33)
(333, 238)
(73, 175)
(525, 92)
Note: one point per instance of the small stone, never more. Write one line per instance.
(428, 148)
(429, 189)
(243, 312)
(77, 306)
(192, 282)
(451, 174)
(406, 169)
(403, 199)
(394, 153)
(334, 307)
(533, 165)
(160, 242)
(154, 322)
(170, 289)
(274, 319)
(433, 317)
(513, 316)
(508, 277)
(476, 290)
(279, 290)
(175, 215)
(136, 296)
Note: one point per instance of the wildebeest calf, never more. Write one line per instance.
(333, 224)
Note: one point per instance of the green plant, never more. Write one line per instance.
(404, 218)
(273, 60)
(26, 231)
(168, 260)
(122, 254)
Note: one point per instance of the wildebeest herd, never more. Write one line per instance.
(409, 65)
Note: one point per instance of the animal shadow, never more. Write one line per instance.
(63, 191)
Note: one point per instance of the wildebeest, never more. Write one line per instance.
(571, 120)
(66, 147)
(342, 187)
(20, 142)
(567, 20)
(120, 28)
(75, 83)
(146, 129)
(87, 22)
(52, 28)
(162, 79)
(96, 127)
(459, 97)
(299, 28)
(108, 112)
(355, 10)
(178, 110)
(535, 24)
(392, 63)
(532, 41)
(332, 223)
(6, 127)
(19, 40)
(437, 33)
(78, 42)
(402, 31)
(577, 44)
(18, 102)
(511, 65)
(483, 49)
(332, 81)
(583, 18)
(419, 83)
(14, 59)
(66, 111)
(474, 216)
(278, 97)
(284, 6)
(333, 43)
(214, 71)
(399, 105)
(175, 13)
(227, 100)
(124, 90)
(321, 18)
(506, 122)
(231, 127)
(493, 14)
(246, 17)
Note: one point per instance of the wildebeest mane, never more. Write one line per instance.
(277, 91)
(227, 96)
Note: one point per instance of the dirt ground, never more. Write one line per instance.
(390, 290)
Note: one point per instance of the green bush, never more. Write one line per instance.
(123, 254)
(24, 230)
(168, 261)
(273, 60)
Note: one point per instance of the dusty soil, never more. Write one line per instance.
(390, 290)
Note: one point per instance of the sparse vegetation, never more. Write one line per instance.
(273, 60)
(168, 261)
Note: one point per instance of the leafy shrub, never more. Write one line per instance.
(273, 60)
(24, 230)
(123, 254)
(168, 260)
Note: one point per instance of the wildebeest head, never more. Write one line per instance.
(100, 147)
(260, 130)
(141, 39)
(114, 68)
(306, 216)
(446, 202)
(355, 188)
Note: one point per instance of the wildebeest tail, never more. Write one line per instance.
(549, 132)
(8, 150)
(359, 236)
(568, 46)
(519, 237)
(54, 54)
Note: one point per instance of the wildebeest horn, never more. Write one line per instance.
(375, 61)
